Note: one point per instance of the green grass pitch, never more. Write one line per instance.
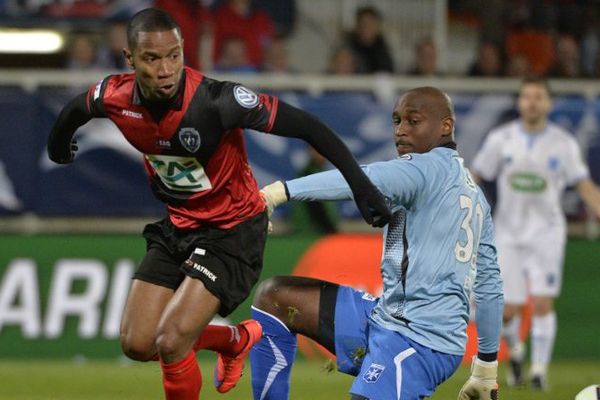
(66, 380)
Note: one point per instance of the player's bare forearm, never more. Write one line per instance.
(590, 194)
(61, 146)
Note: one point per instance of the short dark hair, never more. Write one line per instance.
(368, 10)
(536, 80)
(149, 20)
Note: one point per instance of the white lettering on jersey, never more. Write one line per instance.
(132, 114)
(180, 173)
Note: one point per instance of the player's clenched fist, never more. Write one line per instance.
(482, 384)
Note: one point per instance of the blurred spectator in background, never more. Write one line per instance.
(535, 46)
(590, 43)
(194, 20)
(367, 42)
(276, 59)
(110, 54)
(567, 58)
(74, 9)
(282, 12)
(237, 18)
(518, 66)
(314, 216)
(342, 62)
(488, 62)
(82, 52)
(425, 58)
(234, 57)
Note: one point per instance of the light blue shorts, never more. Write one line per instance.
(387, 364)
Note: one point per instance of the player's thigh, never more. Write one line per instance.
(351, 327)
(153, 286)
(396, 367)
(545, 269)
(188, 312)
(512, 260)
(145, 305)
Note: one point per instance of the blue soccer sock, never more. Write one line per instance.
(271, 359)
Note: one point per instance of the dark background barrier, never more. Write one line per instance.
(107, 178)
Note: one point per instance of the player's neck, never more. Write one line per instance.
(534, 126)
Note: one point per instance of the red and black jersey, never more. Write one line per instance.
(195, 155)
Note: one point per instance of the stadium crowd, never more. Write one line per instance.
(555, 39)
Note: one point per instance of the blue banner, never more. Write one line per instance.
(107, 178)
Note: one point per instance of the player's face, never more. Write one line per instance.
(417, 127)
(534, 103)
(158, 63)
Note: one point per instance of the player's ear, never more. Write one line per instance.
(129, 57)
(447, 126)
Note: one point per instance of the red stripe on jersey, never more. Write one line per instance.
(271, 103)
(273, 113)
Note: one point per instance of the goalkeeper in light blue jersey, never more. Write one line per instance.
(438, 247)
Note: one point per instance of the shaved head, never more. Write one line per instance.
(423, 119)
(432, 100)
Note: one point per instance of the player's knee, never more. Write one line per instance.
(542, 306)
(137, 350)
(168, 344)
(266, 297)
(511, 311)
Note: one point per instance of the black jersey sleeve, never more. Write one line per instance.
(293, 122)
(61, 146)
(77, 112)
(240, 107)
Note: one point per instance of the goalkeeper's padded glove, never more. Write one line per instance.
(482, 384)
(273, 195)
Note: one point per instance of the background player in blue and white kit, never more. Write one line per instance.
(438, 246)
(532, 161)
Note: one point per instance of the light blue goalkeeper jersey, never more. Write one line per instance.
(438, 246)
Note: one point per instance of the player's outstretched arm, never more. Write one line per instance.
(293, 122)
(482, 384)
(61, 146)
(590, 194)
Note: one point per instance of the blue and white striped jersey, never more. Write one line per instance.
(437, 247)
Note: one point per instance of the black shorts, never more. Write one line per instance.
(227, 261)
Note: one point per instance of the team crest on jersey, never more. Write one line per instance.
(245, 97)
(373, 373)
(190, 139)
(405, 157)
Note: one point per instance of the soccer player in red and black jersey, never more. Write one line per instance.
(205, 257)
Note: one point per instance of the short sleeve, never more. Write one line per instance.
(240, 107)
(575, 167)
(487, 161)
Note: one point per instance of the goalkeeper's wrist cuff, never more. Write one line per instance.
(484, 369)
(276, 193)
(489, 357)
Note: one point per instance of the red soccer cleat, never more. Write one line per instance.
(228, 370)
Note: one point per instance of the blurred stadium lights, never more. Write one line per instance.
(30, 41)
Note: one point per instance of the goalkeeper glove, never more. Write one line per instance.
(482, 384)
(273, 195)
